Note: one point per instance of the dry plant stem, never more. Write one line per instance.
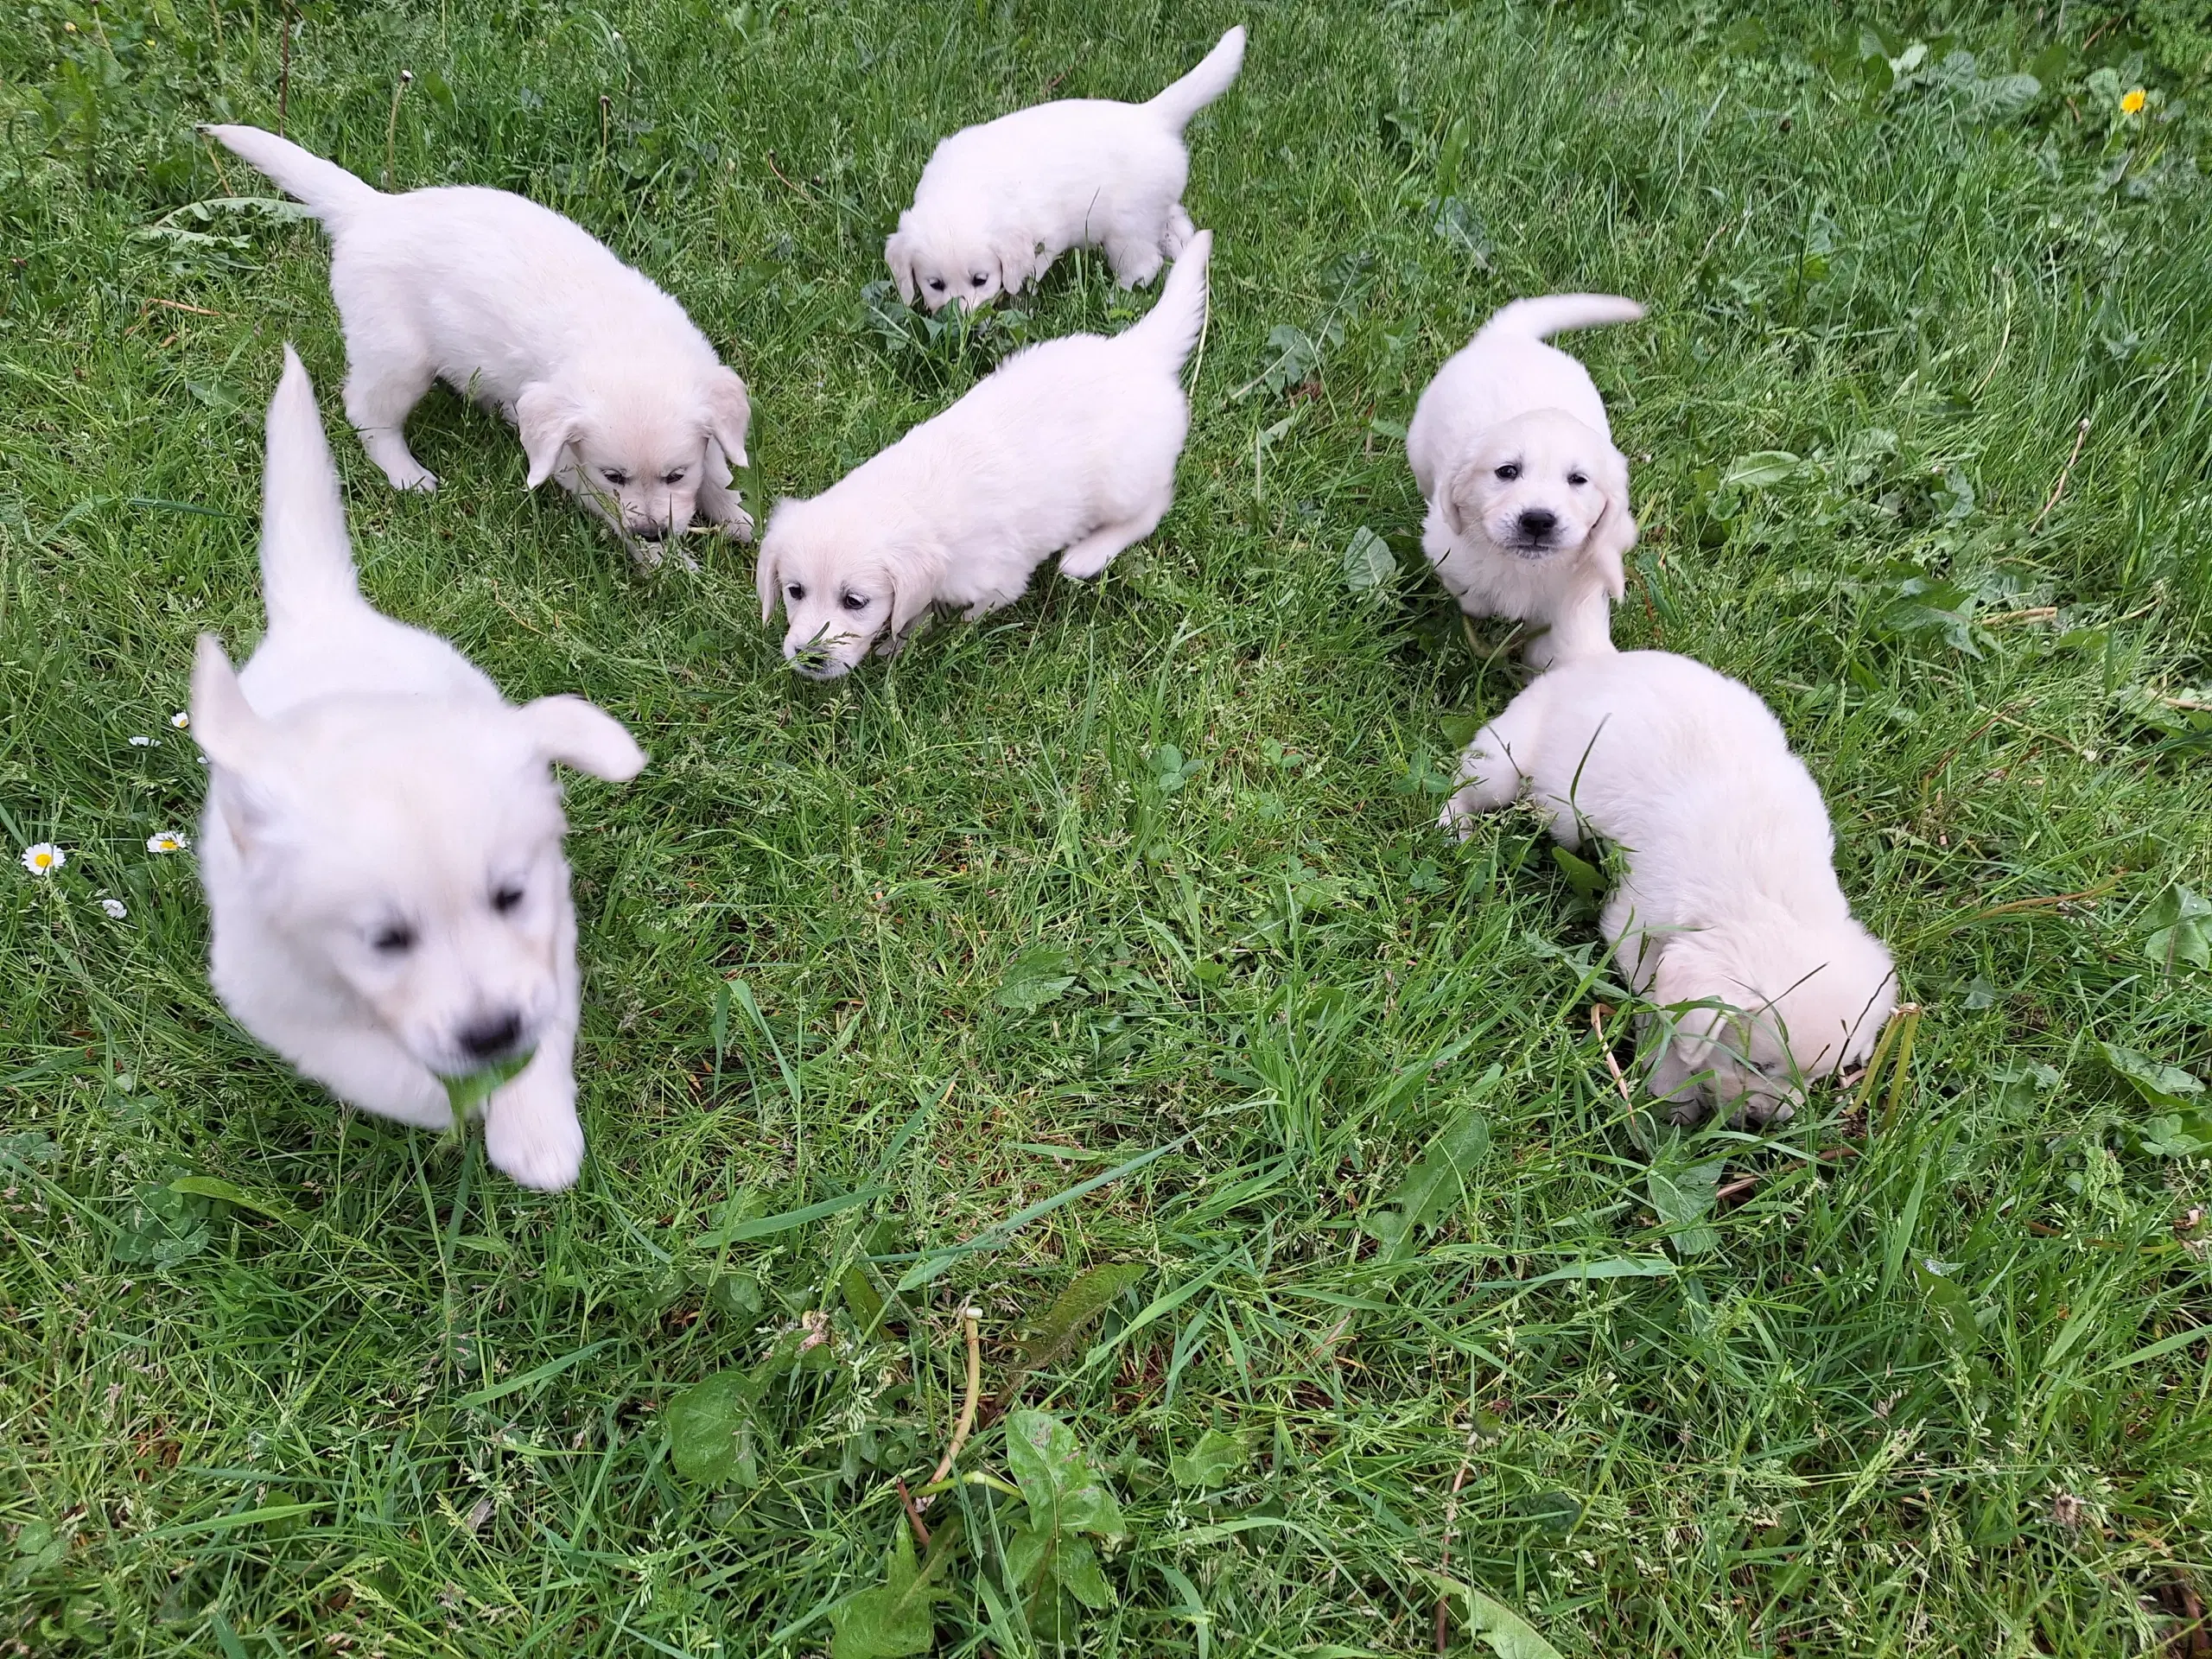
(913, 1515)
(2080, 437)
(1909, 1017)
(969, 1319)
(391, 121)
(1598, 1012)
(1451, 1520)
(778, 172)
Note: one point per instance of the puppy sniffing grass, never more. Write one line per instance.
(1730, 913)
(1528, 498)
(615, 394)
(382, 842)
(998, 203)
(1070, 444)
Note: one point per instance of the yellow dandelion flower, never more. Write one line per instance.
(2132, 100)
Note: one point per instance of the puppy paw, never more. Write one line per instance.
(738, 527)
(1458, 818)
(531, 1135)
(417, 477)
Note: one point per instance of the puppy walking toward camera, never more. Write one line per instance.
(615, 394)
(1729, 912)
(1000, 202)
(1528, 499)
(382, 842)
(1068, 445)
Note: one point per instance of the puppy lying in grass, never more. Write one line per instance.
(1730, 914)
(616, 395)
(998, 203)
(382, 843)
(1528, 499)
(1067, 445)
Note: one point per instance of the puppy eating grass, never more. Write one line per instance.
(1068, 445)
(382, 844)
(617, 396)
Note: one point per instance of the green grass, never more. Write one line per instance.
(1932, 1384)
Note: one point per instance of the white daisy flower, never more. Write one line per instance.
(169, 841)
(179, 720)
(145, 742)
(44, 859)
(116, 908)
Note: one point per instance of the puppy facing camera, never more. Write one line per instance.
(998, 203)
(1528, 514)
(1730, 915)
(382, 843)
(1068, 447)
(617, 396)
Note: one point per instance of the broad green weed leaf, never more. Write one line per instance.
(1504, 1631)
(1682, 1196)
(1075, 1564)
(1209, 1464)
(1953, 1309)
(1040, 974)
(466, 1094)
(1369, 564)
(2163, 1085)
(223, 1191)
(1063, 1492)
(1090, 1294)
(1435, 1184)
(892, 1620)
(704, 1423)
(1585, 878)
(1761, 470)
(2179, 929)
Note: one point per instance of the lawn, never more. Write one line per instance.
(1099, 967)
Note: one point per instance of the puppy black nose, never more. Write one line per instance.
(649, 532)
(1536, 523)
(491, 1036)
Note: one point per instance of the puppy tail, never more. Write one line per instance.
(307, 562)
(1556, 313)
(1215, 70)
(1170, 328)
(329, 191)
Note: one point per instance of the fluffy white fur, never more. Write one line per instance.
(1528, 499)
(615, 394)
(998, 203)
(1730, 914)
(382, 842)
(1068, 445)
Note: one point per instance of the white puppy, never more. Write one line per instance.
(615, 393)
(382, 843)
(998, 203)
(1528, 498)
(1730, 913)
(1070, 444)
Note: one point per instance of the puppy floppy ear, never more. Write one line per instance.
(1694, 968)
(898, 253)
(584, 739)
(730, 415)
(764, 578)
(1455, 502)
(1614, 533)
(911, 595)
(549, 421)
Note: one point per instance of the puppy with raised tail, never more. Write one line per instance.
(1068, 447)
(1528, 498)
(382, 842)
(1730, 913)
(615, 394)
(998, 203)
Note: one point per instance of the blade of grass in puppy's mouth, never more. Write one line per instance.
(470, 1090)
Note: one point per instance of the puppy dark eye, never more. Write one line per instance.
(797, 590)
(936, 285)
(1577, 479)
(979, 279)
(853, 601)
(676, 477)
(506, 899)
(1509, 472)
(393, 940)
(614, 475)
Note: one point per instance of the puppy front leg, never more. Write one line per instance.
(1180, 231)
(720, 505)
(530, 1131)
(381, 387)
(1488, 779)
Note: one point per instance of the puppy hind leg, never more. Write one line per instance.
(380, 389)
(1089, 557)
(1135, 262)
(1180, 231)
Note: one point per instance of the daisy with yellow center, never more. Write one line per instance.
(116, 908)
(181, 720)
(44, 859)
(168, 841)
(2132, 100)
